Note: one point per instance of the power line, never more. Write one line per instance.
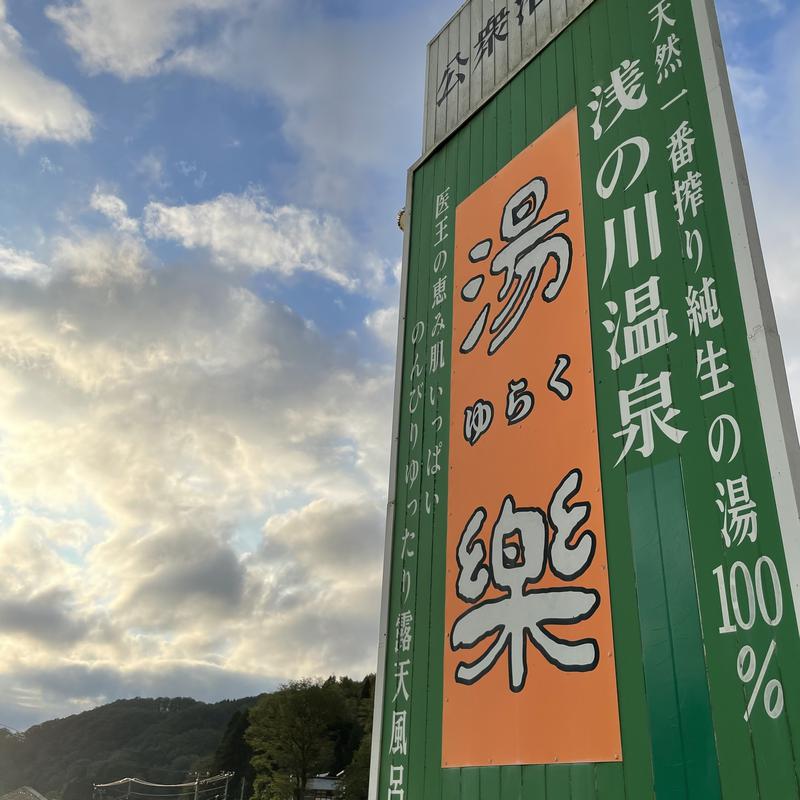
(215, 779)
(9, 728)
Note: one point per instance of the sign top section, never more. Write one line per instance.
(482, 46)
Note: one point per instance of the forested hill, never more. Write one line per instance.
(158, 740)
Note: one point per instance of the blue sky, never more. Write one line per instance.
(198, 285)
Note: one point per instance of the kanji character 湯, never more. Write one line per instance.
(740, 517)
(531, 243)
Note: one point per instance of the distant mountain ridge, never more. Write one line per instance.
(159, 740)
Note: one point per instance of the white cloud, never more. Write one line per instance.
(129, 39)
(150, 167)
(102, 258)
(382, 323)
(21, 265)
(32, 105)
(115, 209)
(248, 231)
(151, 424)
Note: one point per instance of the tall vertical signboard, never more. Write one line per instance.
(593, 548)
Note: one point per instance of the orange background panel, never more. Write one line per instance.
(558, 716)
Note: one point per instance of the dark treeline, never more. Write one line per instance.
(168, 740)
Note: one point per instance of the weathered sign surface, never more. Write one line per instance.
(593, 547)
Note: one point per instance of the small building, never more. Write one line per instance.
(23, 793)
(323, 787)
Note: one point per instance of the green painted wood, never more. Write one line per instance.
(659, 662)
(490, 161)
(610, 782)
(470, 784)
(697, 735)
(681, 700)
(591, 46)
(511, 783)
(503, 148)
(557, 780)
(582, 782)
(534, 782)
(427, 529)
(516, 91)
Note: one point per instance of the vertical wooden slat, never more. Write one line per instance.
(452, 52)
(442, 49)
(582, 782)
(510, 783)
(558, 14)
(549, 93)
(501, 45)
(592, 59)
(514, 37)
(465, 48)
(423, 523)
(503, 154)
(430, 106)
(544, 26)
(516, 91)
(557, 780)
(486, 67)
(528, 34)
(476, 24)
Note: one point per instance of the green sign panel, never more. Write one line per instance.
(593, 549)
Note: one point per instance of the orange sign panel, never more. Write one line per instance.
(529, 674)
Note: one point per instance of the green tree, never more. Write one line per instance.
(355, 785)
(234, 754)
(292, 735)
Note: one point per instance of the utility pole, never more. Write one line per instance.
(196, 785)
(227, 779)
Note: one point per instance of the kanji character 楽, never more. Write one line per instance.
(519, 555)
